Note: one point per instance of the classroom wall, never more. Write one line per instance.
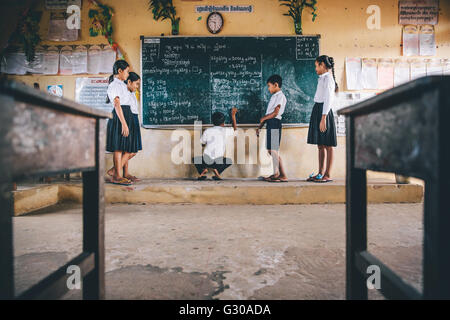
(343, 30)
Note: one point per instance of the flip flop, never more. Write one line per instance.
(133, 178)
(278, 180)
(122, 182)
(269, 178)
(313, 177)
(323, 180)
(202, 178)
(217, 178)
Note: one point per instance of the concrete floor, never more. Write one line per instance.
(192, 251)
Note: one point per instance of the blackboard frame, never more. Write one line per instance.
(191, 126)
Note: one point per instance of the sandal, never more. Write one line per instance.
(323, 180)
(269, 178)
(122, 181)
(133, 178)
(278, 180)
(313, 177)
(217, 178)
(201, 178)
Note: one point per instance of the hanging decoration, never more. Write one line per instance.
(27, 33)
(295, 8)
(100, 18)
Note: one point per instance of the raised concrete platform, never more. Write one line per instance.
(29, 198)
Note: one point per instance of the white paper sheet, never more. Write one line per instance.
(410, 41)
(108, 59)
(94, 59)
(92, 92)
(427, 41)
(385, 74)
(14, 63)
(65, 60)
(446, 66)
(369, 73)
(435, 67)
(353, 73)
(51, 61)
(79, 60)
(418, 69)
(401, 72)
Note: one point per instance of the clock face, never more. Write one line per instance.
(214, 22)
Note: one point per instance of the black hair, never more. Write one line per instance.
(275, 78)
(132, 76)
(119, 64)
(329, 64)
(218, 118)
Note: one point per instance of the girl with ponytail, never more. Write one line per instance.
(118, 139)
(322, 128)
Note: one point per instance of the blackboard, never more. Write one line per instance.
(185, 79)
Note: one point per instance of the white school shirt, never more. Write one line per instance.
(118, 88)
(215, 139)
(325, 91)
(133, 102)
(277, 98)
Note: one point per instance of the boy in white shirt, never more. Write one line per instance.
(215, 139)
(275, 110)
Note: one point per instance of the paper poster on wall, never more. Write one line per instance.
(14, 63)
(51, 61)
(418, 11)
(79, 60)
(401, 72)
(410, 41)
(37, 65)
(446, 66)
(65, 60)
(353, 73)
(434, 67)
(385, 74)
(92, 92)
(108, 59)
(57, 29)
(418, 69)
(94, 59)
(369, 73)
(427, 41)
(55, 90)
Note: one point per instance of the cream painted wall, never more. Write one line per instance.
(341, 24)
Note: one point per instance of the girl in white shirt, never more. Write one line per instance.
(118, 128)
(322, 128)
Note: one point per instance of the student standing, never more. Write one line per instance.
(275, 110)
(322, 129)
(118, 138)
(132, 83)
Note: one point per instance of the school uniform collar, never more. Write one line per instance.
(324, 74)
(277, 93)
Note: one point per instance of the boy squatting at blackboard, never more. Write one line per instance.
(123, 134)
(275, 110)
(215, 139)
(322, 129)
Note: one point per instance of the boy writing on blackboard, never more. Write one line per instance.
(272, 119)
(215, 141)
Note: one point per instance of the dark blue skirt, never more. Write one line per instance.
(327, 138)
(273, 137)
(115, 141)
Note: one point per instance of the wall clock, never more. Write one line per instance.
(214, 23)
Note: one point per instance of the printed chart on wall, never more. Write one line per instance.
(92, 92)
(186, 79)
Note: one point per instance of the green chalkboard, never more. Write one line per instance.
(185, 79)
